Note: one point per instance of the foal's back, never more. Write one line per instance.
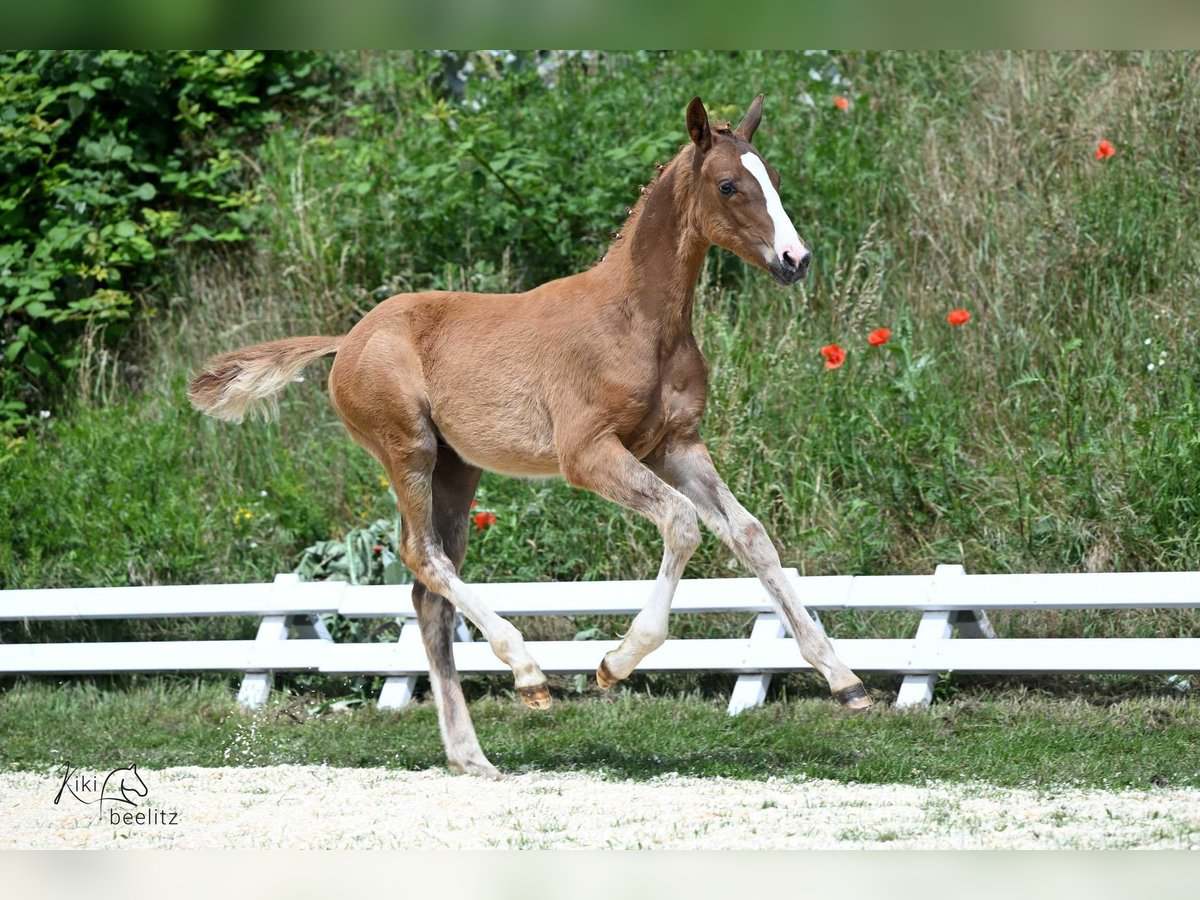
(499, 375)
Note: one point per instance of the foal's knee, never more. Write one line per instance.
(753, 534)
(681, 530)
(415, 559)
(428, 567)
(752, 542)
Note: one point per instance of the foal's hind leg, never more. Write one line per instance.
(454, 484)
(686, 464)
(409, 460)
(609, 470)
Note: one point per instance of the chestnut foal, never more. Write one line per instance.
(596, 377)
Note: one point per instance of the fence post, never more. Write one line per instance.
(751, 690)
(256, 684)
(936, 625)
(397, 691)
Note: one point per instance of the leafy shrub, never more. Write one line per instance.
(365, 555)
(439, 164)
(107, 159)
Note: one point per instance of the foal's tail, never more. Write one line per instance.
(249, 379)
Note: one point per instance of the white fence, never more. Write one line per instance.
(292, 637)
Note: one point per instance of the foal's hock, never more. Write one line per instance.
(596, 377)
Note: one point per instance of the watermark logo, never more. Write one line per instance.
(116, 795)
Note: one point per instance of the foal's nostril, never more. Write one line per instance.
(794, 262)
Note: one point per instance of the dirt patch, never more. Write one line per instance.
(321, 807)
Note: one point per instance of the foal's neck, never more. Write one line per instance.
(657, 258)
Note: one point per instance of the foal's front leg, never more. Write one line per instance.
(686, 465)
(608, 469)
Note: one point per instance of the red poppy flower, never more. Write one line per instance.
(483, 520)
(1104, 150)
(958, 317)
(377, 549)
(474, 503)
(834, 355)
(878, 337)
(841, 103)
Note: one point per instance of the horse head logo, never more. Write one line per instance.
(120, 783)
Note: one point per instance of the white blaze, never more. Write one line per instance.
(786, 237)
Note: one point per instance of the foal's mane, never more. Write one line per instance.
(683, 177)
(633, 213)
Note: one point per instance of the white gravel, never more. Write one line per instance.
(306, 807)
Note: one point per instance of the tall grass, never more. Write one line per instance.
(1034, 438)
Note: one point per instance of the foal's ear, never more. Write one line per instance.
(749, 123)
(697, 125)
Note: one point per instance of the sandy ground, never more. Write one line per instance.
(322, 807)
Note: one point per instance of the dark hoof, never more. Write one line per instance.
(604, 675)
(536, 697)
(853, 697)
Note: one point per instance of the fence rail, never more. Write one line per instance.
(292, 635)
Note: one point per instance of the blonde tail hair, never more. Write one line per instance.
(250, 379)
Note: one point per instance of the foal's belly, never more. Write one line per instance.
(511, 435)
(514, 435)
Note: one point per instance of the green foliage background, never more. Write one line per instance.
(159, 207)
(109, 160)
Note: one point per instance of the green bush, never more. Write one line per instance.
(533, 159)
(108, 159)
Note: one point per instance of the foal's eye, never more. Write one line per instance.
(726, 188)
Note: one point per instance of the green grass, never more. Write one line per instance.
(1012, 740)
(150, 493)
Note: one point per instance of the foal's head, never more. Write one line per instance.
(735, 196)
